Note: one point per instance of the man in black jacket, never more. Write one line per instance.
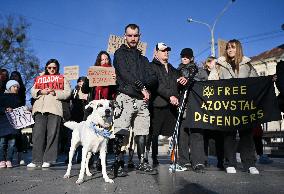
(134, 81)
(165, 98)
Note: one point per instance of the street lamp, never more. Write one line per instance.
(212, 27)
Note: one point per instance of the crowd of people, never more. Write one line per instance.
(147, 96)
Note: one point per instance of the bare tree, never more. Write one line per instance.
(15, 54)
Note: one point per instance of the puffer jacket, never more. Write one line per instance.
(133, 71)
(49, 103)
(167, 85)
(7, 100)
(223, 70)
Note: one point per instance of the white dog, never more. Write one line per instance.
(91, 134)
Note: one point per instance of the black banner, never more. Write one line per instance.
(232, 104)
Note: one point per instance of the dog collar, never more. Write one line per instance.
(104, 132)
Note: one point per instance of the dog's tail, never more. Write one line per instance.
(72, 125)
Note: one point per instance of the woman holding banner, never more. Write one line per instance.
(235, 65)
(47, 111)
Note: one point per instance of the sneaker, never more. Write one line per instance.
(264, 159)
(22, 162)
(180, 168)
(144, 168)
(199, 168)
(31, 165)
(45, 165)
(2, 164)
(9, 164)
(231, 170)
(253, 170)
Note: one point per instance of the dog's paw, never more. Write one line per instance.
(66, 176)
(89, 174)
(79, 181)
(108, 180)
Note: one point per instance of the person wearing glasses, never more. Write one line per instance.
(48, 112)
(134, 81)
(165, 98)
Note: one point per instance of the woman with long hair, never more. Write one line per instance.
(48, 112)
(235, 65)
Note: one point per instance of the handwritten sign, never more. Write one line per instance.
(101, 76)
(116, 41)
(55, 82)
(71, 72)
(20, 117)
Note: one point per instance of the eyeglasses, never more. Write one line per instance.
(52, 68)
(132, 35)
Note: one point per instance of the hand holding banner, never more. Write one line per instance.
(20, 117)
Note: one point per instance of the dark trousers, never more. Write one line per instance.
(45, 137)
(184, 144)
(246, 146)
(7, 147)
(218, 137)
(258, 145)
(163, 123)
(196, 139)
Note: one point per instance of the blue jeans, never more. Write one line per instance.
(7, 147)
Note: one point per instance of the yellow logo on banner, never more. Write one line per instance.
(208, 91)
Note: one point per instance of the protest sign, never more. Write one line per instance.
(20, 117)
(232, 104)
(71, 72)
(101, 76)
(54, 82)
(116, 41)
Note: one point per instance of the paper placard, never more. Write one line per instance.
(55, 82)
(20, 117)
(71, 72)
(101, 76)
(115, 42)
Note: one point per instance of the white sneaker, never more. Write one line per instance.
(22, 162)
(253, 170)
(31, 165)
(231, 170)
(45, 165)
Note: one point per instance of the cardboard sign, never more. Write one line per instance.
(20, 117)
(101, 76)
(55, 82)
(71, 72)
(116, 41)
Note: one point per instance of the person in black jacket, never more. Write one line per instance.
(165, 98)
(134, 80)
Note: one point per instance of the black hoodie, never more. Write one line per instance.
(133, 72)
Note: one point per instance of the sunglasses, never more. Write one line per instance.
(132, 35)
(52, 68)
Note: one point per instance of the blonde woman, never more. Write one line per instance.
(235, 65)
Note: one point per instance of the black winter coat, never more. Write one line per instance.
(133, 71)
(167, 84)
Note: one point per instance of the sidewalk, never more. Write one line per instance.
(21, 180)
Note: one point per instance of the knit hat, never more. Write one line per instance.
(188, 52)
(11, 83)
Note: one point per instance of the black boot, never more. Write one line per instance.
(130, 161)
(98, 165)
(118, 165)
(143, 167)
